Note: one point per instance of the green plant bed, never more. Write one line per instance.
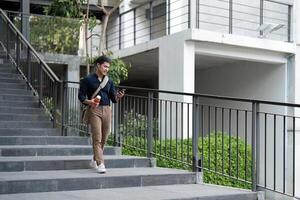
(181, 157)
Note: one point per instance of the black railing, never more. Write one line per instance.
(39, 77)
(250, 143)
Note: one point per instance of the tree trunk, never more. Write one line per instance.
(102, 45)
(86, 21)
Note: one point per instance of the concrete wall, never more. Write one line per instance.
(255, 81)
(243, 79)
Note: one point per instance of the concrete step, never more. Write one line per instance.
(19, 104)
(21, 110)
(28, 132)
(12, 97)
(66, 180)
(6, 68)
(52, 150)
(12, 86)
(10, 75)
(16, 91)
(43, 140)
(161, 192)
(23, 117)
(25, 124)
(11, 80)
(46, 163)
(6, 62)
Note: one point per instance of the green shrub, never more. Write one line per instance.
(136, 124)
(179, 155)
(53, 34)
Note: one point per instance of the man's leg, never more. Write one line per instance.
(96, 129)
(106, 125)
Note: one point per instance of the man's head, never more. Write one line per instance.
(102, 64)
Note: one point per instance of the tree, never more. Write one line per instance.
(72, 9)
(104, 21)
(64, 8)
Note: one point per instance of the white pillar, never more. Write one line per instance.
(177, 65)
(176, 73)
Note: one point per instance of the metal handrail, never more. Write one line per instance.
(214, 96)
(47, 68)
(278, 103)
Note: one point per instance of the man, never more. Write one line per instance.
(99, 113)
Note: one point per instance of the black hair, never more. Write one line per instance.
(102, 59)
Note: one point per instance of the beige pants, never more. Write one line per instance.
(100, 121)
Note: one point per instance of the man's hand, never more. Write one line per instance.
(120, 94)
(91, 103)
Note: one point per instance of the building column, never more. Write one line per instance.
(177, 65)
(176, 73)
(73, 70)
(25, 28)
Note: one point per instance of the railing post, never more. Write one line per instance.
(62, 105)
(169, 17)
(289, 23)
(134, 26)
(117, 137)
(189, 13)
(55, 103)
(150, 125)
(7, 41)
(198, 14)
(18, 51)
(28, 65)
(41, 83)
(195, 136)
(151, 19)
(230, 16)
(120, 31)
(255, 144)
(261, 16)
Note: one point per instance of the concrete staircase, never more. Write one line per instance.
(37, 163)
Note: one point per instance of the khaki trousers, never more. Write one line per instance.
(100, 121)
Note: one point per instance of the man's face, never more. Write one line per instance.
(103, 68)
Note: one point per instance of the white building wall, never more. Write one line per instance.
(243, 79)
(176, 73)
(296, 24)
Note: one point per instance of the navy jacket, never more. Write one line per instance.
(88, 86)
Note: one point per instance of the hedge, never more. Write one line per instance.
(167, 155)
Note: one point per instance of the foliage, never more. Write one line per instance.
(118, 70)
(173, 154)
(234, 160)
(64, 8)
(56, 35)
(136, 124)
(48, 102)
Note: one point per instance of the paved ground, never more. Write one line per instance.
(191, 191)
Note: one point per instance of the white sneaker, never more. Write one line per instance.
(101, 168)
(93, 164)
